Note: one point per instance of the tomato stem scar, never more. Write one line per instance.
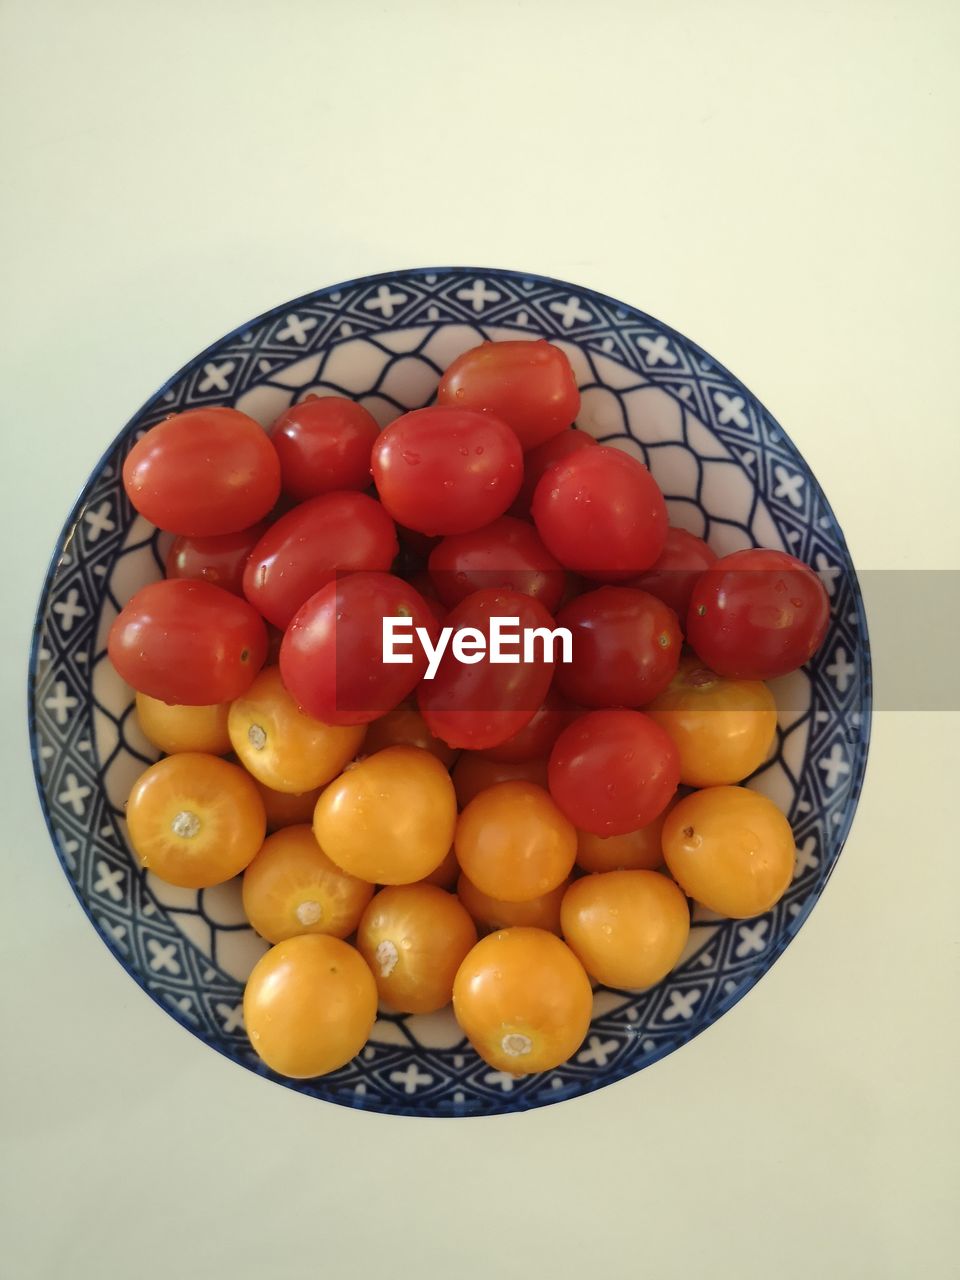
(185, 824)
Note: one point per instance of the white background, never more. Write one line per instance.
(778, 181)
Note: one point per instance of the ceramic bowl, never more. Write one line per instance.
(730, 474)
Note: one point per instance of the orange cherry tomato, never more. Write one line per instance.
(523, 1000)
(404, 726)
(292, 887)
(628, 928)
(414, 938)
(390, 818)
(730, 849)
(195, 820)
(722, 729)
(280, 745)
(173, 728)
(639, 850)
(309, 1005)
(285, 809)
(445, 876)
(474, 773)
(491, 914)
(514, 843)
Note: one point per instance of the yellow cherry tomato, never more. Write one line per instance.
(173, 728)
(195, 820)
(723, 729)
(523, 1000)
(414, 938)
(292, 887)
(730, 849)
(309, 1005)
(514, 843)
(627, 928)
(473, 774)
(445, 876)
(491, 914)
(636, 851)
(389, 818)
(404, 726)
(282, 747)
(285, 808)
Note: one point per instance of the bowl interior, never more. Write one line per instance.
(729, 474)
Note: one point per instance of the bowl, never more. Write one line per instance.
(730, 474)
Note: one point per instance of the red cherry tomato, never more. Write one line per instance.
(331, 658)
(626, 648)
(187, 643)
(324, 444)
(310, 545)
(424, 584)
(542, 458)
(612, 772)
(529, 385)
(507, 553)
(672, 575)
(601, 514)
(483, 703)
(442, 470)
(537, 736)
(203, 472)
(757, 614)
(219, 560)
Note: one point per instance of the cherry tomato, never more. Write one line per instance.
(219, 559)
(280, 745)
(757, 614)
(195, 820)
(599, 511)
(523, 1000)
(390, 818)
(414, 937)
(723, 729)
(613, 771)
(443, 470)
(175, 729)
(541, 459)
(292, 887)
(203, 472)
(424, 584)
(672, 575)
(404, 726)
(309, 1005)
(474, 773)
(530, 385)
(338, 533)
(730, 849)
(331, 658)
(483, 704)
(514, 843)
(445, 876)
(507, 554)
(491, 914)
(284, 809)
(627, 928)
(324, 444)
(638, 850)
(188, 643)
(538, 735)
(626, 646)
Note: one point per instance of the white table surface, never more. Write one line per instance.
(777, 181)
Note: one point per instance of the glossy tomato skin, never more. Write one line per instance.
(188, 643)
(507, 553)
(536, 738)
(219, 560)
(337, 533)
(542, 458)
(530, 385)
(757, 614)
(600, 512)
(482, 704)
(626, 647)
(203, 472)
(443, 470)
(613, 771)
(324, 445)
(331, 657)
(474, 773)
(672, 576)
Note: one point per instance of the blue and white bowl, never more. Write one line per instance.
(730, 474)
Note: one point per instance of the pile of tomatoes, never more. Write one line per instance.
(501, 835)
